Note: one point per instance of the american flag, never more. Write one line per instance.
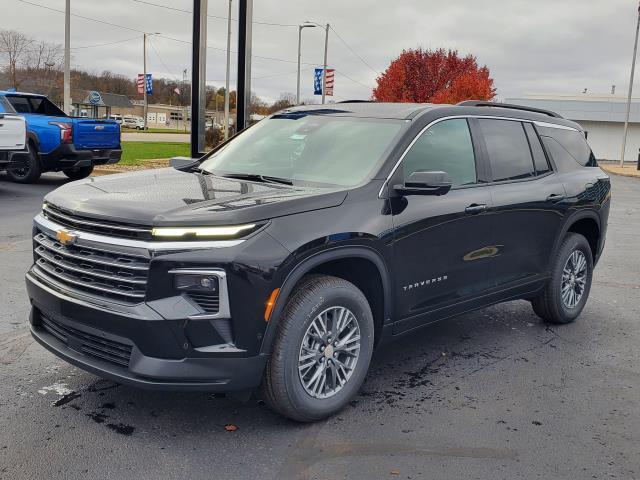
(317, 83)
(141, 83)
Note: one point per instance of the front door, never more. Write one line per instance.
(442, 244)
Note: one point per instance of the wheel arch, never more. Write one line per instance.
(586, 223)
(325, 263)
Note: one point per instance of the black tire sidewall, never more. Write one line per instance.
(572, 243)
(78, 173)
(34, 171)
(343, 295)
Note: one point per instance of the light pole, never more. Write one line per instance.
(144, 76)
(67, 58)
(300, 27)
(226, 88)
(324, 70)
(633, 70)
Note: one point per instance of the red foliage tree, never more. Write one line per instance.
(434, 76)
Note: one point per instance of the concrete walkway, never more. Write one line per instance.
(626, 171)
(155, 137)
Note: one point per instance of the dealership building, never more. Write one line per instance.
(602, 116)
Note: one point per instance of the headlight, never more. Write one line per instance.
(178, 232)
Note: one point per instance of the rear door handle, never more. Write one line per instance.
(475, 209)
(556, 197)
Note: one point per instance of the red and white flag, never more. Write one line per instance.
(141, 83)
(331, 75)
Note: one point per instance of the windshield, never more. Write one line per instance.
(308, 149)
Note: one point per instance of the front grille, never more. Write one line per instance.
(209, 302)
(120, 277)
(109, 350)
(85, 224)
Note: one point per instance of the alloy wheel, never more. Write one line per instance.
(574, 279)
(329, 352)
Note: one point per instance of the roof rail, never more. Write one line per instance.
(484, 103)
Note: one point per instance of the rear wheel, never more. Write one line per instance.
(30, 172)
(322, 350)
(78, 173)
(567, 292)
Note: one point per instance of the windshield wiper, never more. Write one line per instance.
(253, 177)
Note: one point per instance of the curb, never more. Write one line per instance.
(621, 174)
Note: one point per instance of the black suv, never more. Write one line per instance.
(281, 259)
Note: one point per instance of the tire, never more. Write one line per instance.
(575, 256)
(78, 173)
(318, 299)
(31, 172)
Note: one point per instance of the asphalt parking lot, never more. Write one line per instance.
(496, 394)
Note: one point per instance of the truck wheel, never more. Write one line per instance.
(78, 173)
(567, 292)
(322, 350)
(31, 172)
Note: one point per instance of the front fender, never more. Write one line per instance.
(307, 264)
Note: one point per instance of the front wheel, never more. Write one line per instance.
(322, 350)
(78, 173)
(30, 172)
(567, 292)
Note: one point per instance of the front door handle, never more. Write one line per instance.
(555, 197)
(475, 209)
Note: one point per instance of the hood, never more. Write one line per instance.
(171, 197)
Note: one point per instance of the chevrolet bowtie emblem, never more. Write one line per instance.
(65, 237)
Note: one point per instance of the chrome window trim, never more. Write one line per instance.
(53, 213)
(454, 117)
(52, 227)
(224, 309)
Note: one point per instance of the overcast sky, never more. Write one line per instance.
(549, 46)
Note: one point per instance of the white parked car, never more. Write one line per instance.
(13, 137)
(136, 123)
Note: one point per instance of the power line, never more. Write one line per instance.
(167, 69)
(104, 44)
(353, 80)
(353, 51)
(175, 9)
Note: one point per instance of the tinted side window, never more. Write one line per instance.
(21, 104)
(44, 106)
(574, 143)
(5, 106)
(539, 158)
(445, 147)
(508, 149)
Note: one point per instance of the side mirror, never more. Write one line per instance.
(425, 183)
(182, 163)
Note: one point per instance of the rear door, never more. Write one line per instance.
(442, 244)
(528, 200)
(95, 134)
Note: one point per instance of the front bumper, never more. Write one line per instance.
(140, 347)
(67, 156)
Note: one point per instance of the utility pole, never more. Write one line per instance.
(144, 78)
(300, 28)
(633, 71)
(67, 58)
(324, 70)
(226, 88)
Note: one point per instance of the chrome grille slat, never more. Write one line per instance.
(73, 221)
(49, 257)
(56, 247)
(136, 262)
(65, 278)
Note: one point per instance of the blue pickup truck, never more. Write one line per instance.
(57, 142)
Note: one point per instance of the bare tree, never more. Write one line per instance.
(14, 48)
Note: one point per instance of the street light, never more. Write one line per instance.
(300, 27)
(144, 76)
